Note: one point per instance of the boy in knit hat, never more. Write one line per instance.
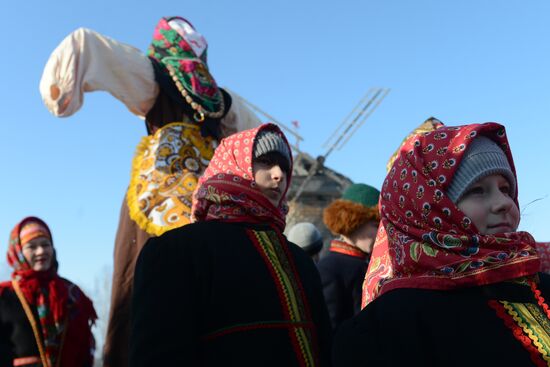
(230, 289)
(308, 237)
(354, 218)
(449, 264)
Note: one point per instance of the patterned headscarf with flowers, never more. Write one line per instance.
(425, 240)
(28, 230)
(227, 191)
(181, 51)
(54, 299)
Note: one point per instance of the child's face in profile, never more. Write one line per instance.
(271, 180)
(488, 203)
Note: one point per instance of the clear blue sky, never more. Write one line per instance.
(311, 61)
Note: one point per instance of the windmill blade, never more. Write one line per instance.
(372, 98)
(365, 117)
(313, 169)
(353, 122)
(269, 117)
(344, 121)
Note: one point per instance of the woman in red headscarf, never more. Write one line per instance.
(45, 320)
(451, 281)
(229, 289)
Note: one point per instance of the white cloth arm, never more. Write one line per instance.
(87, 61)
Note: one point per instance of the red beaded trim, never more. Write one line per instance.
(518, 333)
(540, 299)
(279, 261)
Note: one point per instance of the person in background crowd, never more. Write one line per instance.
(185, 115)
(308, 237)
(354, 218)
(449, 269)
(45, 320)
(230, 290)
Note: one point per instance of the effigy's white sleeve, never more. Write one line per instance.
(238, 118)
(87, 61)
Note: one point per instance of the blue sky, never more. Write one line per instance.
(311, 61)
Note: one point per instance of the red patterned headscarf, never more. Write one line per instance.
(52, 297)
(425, 240)
(227, 191)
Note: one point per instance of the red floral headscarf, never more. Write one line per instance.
(59, 303)
(424, 240)
(227, 191)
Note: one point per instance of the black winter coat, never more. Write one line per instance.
(429, 328)
(223, 294)
(16, 336)
(342, 278)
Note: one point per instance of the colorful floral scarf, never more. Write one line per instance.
(56, 301)
(181, 51)
(227, 191)
(425, 241)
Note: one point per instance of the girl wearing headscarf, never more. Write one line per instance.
(45, 320)
(451, 281)
(229, 289)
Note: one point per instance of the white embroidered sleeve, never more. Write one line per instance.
(87, 61)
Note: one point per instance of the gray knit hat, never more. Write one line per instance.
(482, 158)
(270, 141)
(307, 236)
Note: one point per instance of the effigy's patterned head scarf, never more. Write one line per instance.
(425, 240)
(227, 191)
(50, 295)
(181, 51)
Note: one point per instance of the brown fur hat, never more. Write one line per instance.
(345, 216)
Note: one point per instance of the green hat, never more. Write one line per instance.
(358, 205)
(362, 194)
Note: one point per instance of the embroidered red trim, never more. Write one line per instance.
(303, 348)
(346, 249)
(540, 299)
(307, 308)
(518, 333)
